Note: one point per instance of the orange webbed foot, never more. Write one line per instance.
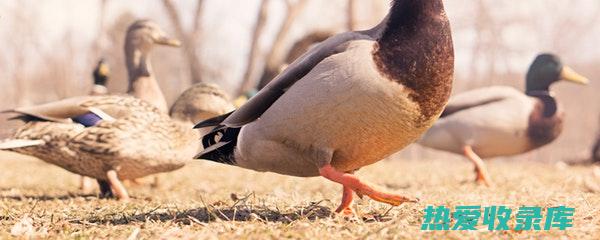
(352, 183)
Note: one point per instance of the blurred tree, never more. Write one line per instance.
(114, 51)
(100, 42)
(249, 81)
(190, 39)
(306, 43)
(278, 51)
(351, 16)
(22, 44)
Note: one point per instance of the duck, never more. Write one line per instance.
(349, 102)
(201, 101)
(503, 121)
(140, 39)
(100, 75)
(111, 138)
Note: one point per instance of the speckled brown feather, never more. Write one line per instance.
(140, 142)
(200, 102)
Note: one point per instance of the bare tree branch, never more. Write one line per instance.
(249, 81)
(98, 42)
(189, 39)
(277, 54)
(196, 30)
(351, 16)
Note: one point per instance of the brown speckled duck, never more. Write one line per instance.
(503, 121)
(111, 138)
(101, 74)
(351, 101)
(200, 102)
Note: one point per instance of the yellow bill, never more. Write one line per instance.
(569, 74)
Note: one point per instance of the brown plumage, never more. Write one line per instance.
(545, 122)
(200, 102)
(124, 138)
(136, 140)
(349, 102)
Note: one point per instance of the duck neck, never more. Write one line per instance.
(98, 90)
(547, 100)
(535, 85)
(414, 48)
(142, 83)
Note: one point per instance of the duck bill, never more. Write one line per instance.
(168, 41)
(570, 75)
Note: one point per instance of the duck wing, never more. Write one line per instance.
(477, 98)
(258, 104)
(66, 110)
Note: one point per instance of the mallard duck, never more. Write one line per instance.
(141, 37)
(503, 121)
(101, 75)
(351, 101)
(109, 138)
(200, 102)
(96, 136)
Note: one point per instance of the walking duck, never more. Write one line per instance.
(101, 74)
(351, 101)
(110, 138)
(503, 121)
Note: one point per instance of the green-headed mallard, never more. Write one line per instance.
(101, 75)
(111, 138)
(503, 121)
(351, 101)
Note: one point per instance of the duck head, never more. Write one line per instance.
(141, 37)
(101, 73)
(547, 69)
(144, 34)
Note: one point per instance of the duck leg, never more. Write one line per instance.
(117, 186)
(105, 190)
(347, 199)
(480, 169)
(361, 188)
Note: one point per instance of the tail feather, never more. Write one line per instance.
(212, 122)
(19, 143)
(221, 149)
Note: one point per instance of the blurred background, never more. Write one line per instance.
(49, 48)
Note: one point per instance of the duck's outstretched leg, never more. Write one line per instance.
(117, 185)
(480, 169)
(361, 188)
(347, 199)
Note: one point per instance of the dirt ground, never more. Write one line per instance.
(210, 201)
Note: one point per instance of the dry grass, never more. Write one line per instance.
(206, 200)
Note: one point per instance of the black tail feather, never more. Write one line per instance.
(216, 121)
(220, 150)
